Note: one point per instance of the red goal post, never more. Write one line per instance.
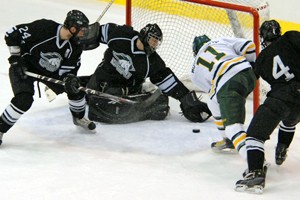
(182, 20)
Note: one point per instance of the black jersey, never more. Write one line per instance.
(125, 65)
(279, 63)
(42, 50)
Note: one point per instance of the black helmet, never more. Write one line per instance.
(77, 19)
(150, 31)
(269, 31)
(199, 42)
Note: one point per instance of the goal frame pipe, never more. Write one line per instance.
(224, 5)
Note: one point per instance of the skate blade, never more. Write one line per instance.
(87, 129)
(225, 151)
(257, 189)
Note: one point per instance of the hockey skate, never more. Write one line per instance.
(253, 182)
(280, 153)
(84, 123)
(223, 146)
(265, 167)
(1, 135)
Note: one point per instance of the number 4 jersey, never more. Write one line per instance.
(219, 60)
(279, 63)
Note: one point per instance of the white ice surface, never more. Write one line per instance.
(45, 157)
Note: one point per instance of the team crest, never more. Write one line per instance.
(50, 61)
(123, 64)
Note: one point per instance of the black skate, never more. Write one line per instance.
(223, 146)
(1, 135)
(84, 123)
(253, 182)
(265, 167)
(280, 153)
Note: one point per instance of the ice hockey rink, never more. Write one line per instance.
(45, 157)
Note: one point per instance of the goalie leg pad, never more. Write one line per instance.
(107, 111)
(159, 110)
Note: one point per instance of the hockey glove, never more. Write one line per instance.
(72, 84)
(16, 64)
(193, 109)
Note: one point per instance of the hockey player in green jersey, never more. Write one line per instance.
(222, 68)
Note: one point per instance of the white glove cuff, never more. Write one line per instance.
(14, 50)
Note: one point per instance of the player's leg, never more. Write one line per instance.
(21, 102)
(77, 106)
(232, 99)
(261, 126)
(286, 132)
(290, 94)
(285, 137)
(223, 145)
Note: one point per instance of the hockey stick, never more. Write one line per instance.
(84, 89)
(105, 9)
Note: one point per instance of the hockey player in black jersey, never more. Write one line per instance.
(129, 60)
(277, 64)
(50, 49)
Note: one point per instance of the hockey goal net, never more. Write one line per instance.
(182, 20)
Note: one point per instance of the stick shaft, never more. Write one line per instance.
(105, 10)
(84, 89)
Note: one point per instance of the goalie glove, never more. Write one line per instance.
(72, 84)
(193, 109)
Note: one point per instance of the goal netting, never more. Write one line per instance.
(181, 21)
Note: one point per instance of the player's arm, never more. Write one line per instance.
(14, 38)
(192, 108)
(244, 48)
(23, 34)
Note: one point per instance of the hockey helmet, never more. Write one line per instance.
(198, 42)
(151, 36)
(77, 19)
(269, 31)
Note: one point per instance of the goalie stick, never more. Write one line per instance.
(84, 89)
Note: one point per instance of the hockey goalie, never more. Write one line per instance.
(129, 60)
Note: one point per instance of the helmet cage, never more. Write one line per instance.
(151, 37)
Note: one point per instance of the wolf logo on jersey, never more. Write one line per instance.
(50, 61)
(123, 64)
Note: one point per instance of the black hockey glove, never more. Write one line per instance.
(193, 109)
(72, 84)
(16, 64)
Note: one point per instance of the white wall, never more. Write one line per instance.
(285, 10)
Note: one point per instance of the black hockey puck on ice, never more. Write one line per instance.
(196, 130)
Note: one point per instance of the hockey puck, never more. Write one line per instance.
(196, 130)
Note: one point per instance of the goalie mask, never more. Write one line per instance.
(151, 36)
(77, 19)
(199, 42)
(269, 31)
